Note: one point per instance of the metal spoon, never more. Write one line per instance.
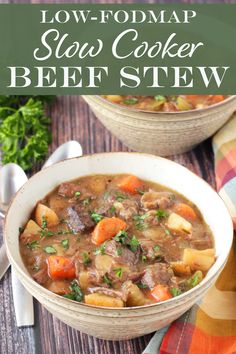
(12, 177)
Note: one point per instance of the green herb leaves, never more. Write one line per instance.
(50, 250)
(76, 292)
(175, 291)
(140, 221)
(107, 280)
(65, 244)
(161, 214)
(32, 245)
(123, 238)
(86, 258)
(24, 133)
(96, 217)
(130, 101)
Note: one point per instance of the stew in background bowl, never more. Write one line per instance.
(160, 103)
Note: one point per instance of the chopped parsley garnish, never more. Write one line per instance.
(107, 280)
(119, 272)
(50, 249)
(140, 191)
(167, 232)
(77, 194)
(139, 221)
(96, 217)
(86, 201)
(156, 248)
(130, 101)
(124, 239)
(101, 249)
(76, 293)
(120, 197)
(141, 285)
(134, 244)
(32, 245)
(65, 244)
(78, 238)
(175, 291)
(119, 251)
(86, 258)
(47, 233)
(121, 237)
(106, 195)
(44, 222)
(160, 98)
(194, 280)
(143, 258)
(161, 214)
(112, 210)
(36, 267)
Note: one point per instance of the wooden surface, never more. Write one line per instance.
(72, 119)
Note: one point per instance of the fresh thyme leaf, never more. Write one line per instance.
(50, 249)
(118, 271)
(107, 280)
(96, 217)
(32, 245)
(161, 214)
(65, 244)
(86, 258)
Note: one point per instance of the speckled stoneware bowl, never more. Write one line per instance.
(161, 133)
(111, 323)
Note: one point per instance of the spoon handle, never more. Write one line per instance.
(4, 262)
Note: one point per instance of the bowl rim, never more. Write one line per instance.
(64, 302)
(181, 113)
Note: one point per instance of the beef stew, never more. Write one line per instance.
(116, 241)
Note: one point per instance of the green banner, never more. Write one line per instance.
(111, 49)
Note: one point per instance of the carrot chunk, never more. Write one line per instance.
(160, 293)
(106, 229)
(130, 184)
(60, 268)
(185, 211)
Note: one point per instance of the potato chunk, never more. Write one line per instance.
(43, 212)
(135, 296)
(31, 228)
(178, 223)
(103, 300)
(199, 260)
(180, 268)
(103, 263)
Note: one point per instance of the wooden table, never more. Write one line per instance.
(72, 119)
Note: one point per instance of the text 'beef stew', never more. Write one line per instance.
(116, 241)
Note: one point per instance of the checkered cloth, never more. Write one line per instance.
(210, 326)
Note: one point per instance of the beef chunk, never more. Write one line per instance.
(149, 250)
(109, 292)
(119, 253)
(152, 200)
(158, 273)
(41, 276)
(126, 209)
(78, 222)
(68, 189)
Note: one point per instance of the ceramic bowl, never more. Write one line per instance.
(111, 323)
(161, 133)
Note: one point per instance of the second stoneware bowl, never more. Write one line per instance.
(161, 133)
(124, 323)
